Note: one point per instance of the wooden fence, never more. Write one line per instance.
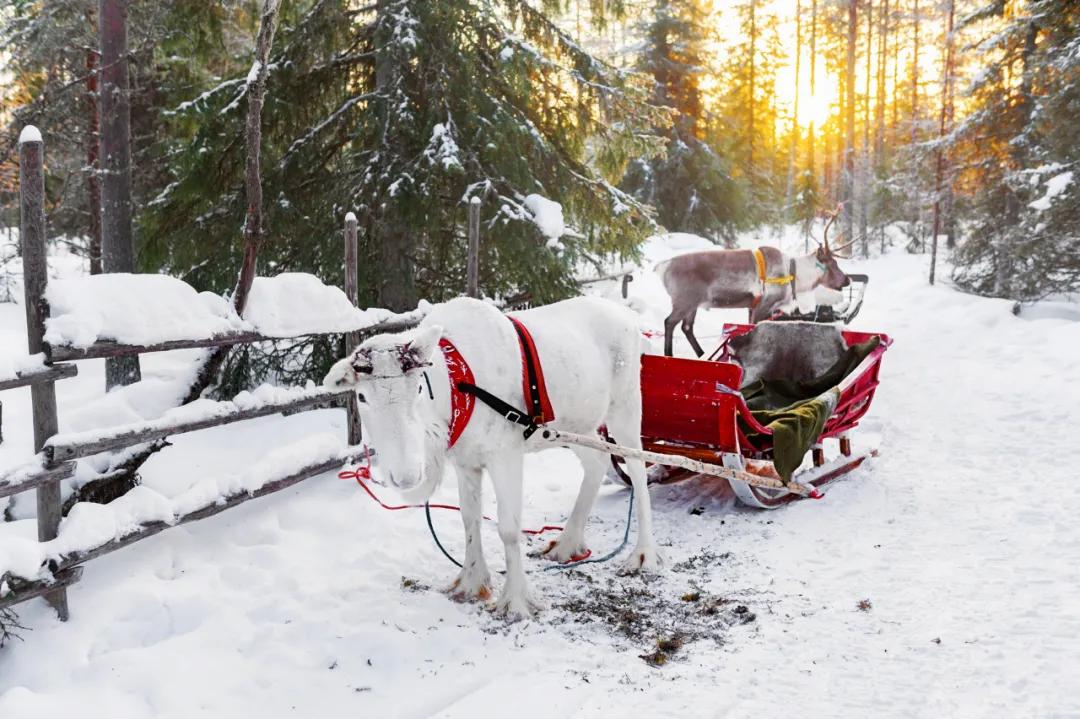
(55, 459)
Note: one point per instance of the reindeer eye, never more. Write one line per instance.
(360, 398)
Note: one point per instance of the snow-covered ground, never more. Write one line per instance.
(960, 543)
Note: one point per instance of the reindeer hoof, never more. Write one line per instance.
(470, 589)
(518, 606)
(562, 551)
(643, 560)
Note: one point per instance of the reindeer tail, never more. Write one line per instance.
(660, 268)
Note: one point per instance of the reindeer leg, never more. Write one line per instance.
(474, 581)
(688, 330)
(669, 332)
(517, 600)
(571, 542)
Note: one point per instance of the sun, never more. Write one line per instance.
(814, 107)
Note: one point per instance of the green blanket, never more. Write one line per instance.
(796, 412)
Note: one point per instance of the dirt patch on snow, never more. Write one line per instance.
(659, 619)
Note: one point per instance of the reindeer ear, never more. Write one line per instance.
(418, 352)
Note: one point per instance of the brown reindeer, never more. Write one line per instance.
(761, 280)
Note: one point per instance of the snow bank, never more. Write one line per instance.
(151, 309)
(548, 217)
(90, 525)
(133, 309)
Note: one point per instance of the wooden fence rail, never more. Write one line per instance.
(21, 479)
(37, 376)
(62, 449)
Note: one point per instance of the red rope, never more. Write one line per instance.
(363, 472)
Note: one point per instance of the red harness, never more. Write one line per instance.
(463, 390)
(461, 403)
(532, 377)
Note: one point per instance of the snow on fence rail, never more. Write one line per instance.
(200, 414)
(119, 315)
(100, 315)
(28, 378)
(33, 474)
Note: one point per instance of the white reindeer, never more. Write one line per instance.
(589, 350)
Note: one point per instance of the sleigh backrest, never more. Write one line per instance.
(689, 401)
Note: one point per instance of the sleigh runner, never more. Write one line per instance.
(697, 422)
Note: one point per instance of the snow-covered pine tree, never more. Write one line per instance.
(405, 110)
(690, 184)
(1021, 153)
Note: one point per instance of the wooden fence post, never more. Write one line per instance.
(35, 280)
(352, 338)
(472, 288)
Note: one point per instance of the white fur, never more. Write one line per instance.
(590, 352)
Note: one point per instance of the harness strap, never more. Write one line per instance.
(532, 387)
(532, 379)
(763, 276)
(501, 407)
(759, 257)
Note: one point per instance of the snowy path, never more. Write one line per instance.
(962, 536)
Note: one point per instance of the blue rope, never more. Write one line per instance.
(553, 567)
(609, 555)
(427, 511)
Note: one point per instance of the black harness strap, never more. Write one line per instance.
(503, 408)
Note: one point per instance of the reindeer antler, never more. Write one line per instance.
(832, 218)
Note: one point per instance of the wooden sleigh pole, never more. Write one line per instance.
(673, 460)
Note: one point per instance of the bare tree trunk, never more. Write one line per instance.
(849, 122)
(393, 238)
(254, 232)
(916, 210)
(896, 70)
(117, 241)
(950, 93)
(946, 81)
(93, 181)
(795, 114)
(864, 162)
(810, 135)
(753, 87)
(879, 112)
(827, 193)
